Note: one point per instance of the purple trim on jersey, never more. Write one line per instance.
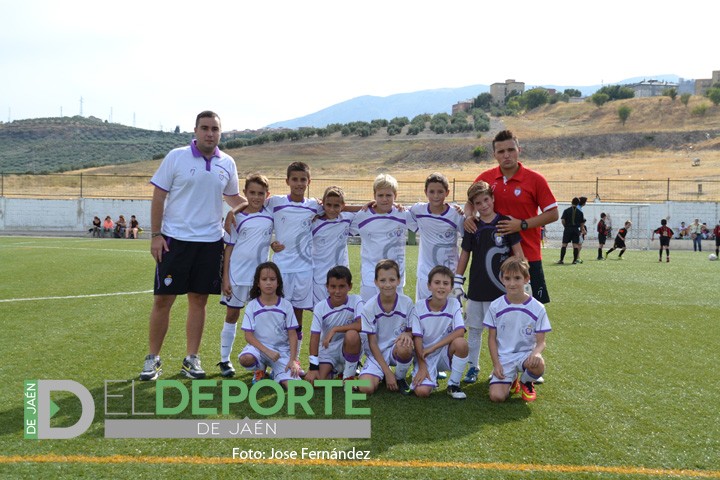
(221, 168)
(435, 217)
(436, 314)
(268, 310)
(315, 331)
(280, 207)
(418, 335)
(517, 309)
(330, 222)
(543, 331)
(158, 186)
(344, 309)
(388, 314)
(384, 217)
(368, 333)
(197, 153)
(251, 218)
(248, 329)
(447, 209)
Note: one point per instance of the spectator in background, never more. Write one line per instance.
(716, 232)
(682, 230)
(97, 227)
(133, 229)
(108, 226)
(120, 227)
(695, 230)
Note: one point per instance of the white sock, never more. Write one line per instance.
(458, 367)
(227, 339)
(527, 377)
(474, 341)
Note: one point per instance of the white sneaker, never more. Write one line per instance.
(455, 392)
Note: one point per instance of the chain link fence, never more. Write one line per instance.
(360, 190)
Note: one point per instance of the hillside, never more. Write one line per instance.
(658, 140)
(46, 145)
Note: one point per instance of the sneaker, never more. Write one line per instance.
(359, 368)
(403, 386)
(560, 262)
(226, 369)
(515, 387)
(620, 258)
(152, 368)
(441, 376)
(600, 258)
(472, 375)
(668, 259)
(456, 392)
(191, 367)
(606, 255)
(527, 390)
(259, 375)
(660, 260)
(539, 381)
(579, 260)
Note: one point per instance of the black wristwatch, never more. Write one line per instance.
(523, 225)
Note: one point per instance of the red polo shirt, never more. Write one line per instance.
(522, 196)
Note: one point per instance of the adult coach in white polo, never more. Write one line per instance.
(186, 221)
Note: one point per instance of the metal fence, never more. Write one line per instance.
(360, 190)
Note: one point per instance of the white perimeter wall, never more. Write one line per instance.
(75, 216)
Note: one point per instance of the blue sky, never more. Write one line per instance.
(156, 64)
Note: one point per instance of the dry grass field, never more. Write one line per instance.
(413, 158)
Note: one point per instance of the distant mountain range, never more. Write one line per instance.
(368, 107)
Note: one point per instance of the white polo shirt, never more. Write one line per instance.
(195, 185)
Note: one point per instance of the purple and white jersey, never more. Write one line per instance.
(325, 317)
(434, 326)
(270, 323)
(387, 325)
(293, 221)
(195, 187)
(251, 245)
(516, 324)
(330, 244)
(439, 236)
(383, 235)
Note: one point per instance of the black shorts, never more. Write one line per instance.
(619, 244)
(194, 267)
(601, 238)
(717, 241)
(664, 241)
(571, 235)
(537, 282)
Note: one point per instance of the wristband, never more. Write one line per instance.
(459, 279)
(314, 360)
(155, 234)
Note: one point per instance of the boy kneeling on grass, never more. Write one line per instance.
(516, 324)
(438, 331)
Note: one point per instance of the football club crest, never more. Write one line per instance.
(517, 192)
(168, 280)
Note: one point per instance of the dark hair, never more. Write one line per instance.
(206, 114)
(505, 135)
(583, 201)
(387, 264)
(437, 178)
(602, 215)
(575, 201)
(298, 167)
(663, 222)
(255, 290)
(339, 272)
(440, 270)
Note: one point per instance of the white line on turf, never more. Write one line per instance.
(91, 295)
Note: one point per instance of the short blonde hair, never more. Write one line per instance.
(384, 181)
(515, 265)
(259, 179)
(479, 188)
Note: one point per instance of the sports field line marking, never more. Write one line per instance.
(89, 295)
(418, 464)
(94, 249)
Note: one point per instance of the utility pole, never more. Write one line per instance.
(81, 105)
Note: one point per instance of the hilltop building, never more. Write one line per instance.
(702, 85)
(651, 88)
(499, 91)
(464, 106)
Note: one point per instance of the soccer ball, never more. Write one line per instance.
(712, 257)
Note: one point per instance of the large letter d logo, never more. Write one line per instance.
(46, 408)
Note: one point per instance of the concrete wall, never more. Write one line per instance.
(74, 217)
(645, 218)
(66, 216)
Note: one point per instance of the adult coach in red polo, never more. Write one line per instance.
(525, 196)
(186, 224)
